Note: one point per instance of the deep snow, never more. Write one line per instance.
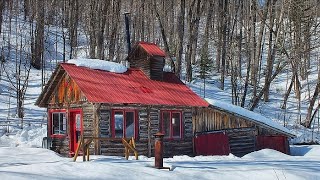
(36, 163)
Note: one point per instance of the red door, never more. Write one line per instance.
(75, 130)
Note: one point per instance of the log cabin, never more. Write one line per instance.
(138, 103)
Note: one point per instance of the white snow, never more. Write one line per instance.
(29, 136)
(248, 114)
(37, 163)
(99, 64)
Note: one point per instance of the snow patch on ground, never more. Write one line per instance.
(99, 64)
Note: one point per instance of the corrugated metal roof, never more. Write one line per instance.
(151, 49)
(132, 87)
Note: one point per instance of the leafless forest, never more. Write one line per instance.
(250, 42)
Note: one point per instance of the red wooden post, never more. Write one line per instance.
(158, 150)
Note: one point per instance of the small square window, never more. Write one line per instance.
(124, 124)
(59, 123)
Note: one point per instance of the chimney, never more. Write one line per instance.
(149, 58)
(126, 19)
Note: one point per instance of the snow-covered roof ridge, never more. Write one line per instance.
(99, 64)
(256, 117)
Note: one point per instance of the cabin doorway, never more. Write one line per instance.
(75, 129)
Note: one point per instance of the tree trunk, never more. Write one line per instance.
(258, 57)
(115, 24)
(73, 26)
(286, 96)
(193, 35)
(39, 38)
(308, 121)
(164, 37)
(2, 7)
(256, 99)
(224, 43)
(180, 31)
(92, 29)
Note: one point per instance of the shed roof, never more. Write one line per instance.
(131, 87)
(249, 115)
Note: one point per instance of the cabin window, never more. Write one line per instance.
(171, 124)
(59, 123)
(124, 124)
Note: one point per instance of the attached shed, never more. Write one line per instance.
(135, 104)
(224, 128)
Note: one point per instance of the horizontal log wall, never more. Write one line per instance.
(139, 59)
(156, 68)
(149, 119)
(88, 123)
(61, 145)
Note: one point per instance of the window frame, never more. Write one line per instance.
(50, 128)
(171, 137)
(135, 122)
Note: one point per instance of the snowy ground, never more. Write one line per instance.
(37, 163)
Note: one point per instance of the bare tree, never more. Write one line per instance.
(38, 47)
(180, 31)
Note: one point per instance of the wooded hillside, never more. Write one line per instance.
(251, 42)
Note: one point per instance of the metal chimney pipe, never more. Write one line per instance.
(126, 18)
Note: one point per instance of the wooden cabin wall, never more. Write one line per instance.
(263, 131)
(185, 145)
(61, 145)
(89, 124)
(115, 147)
(149, 118)
(140, 59)
(207, 119)
(156, 68)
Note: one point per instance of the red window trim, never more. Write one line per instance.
(171, 127)
(136, 123)
(50, 133)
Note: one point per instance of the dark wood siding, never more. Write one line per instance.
(156, 68)
(89, 126)
(61, 145)
(104, 123)
(149, 119)
(208, 119)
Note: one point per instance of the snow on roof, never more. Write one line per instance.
(99, 64)
(258, 118)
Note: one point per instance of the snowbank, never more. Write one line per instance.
(99, 64)
(29, 136)
(266, 153)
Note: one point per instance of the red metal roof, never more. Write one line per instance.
(132, 87)
(151, 49)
